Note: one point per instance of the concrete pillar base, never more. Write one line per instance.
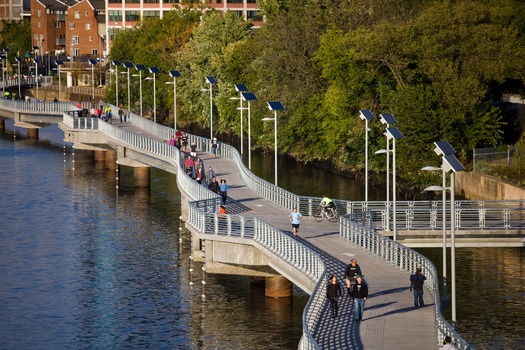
(2, 123)
(278, 287)
(142, 176)
(32, 133)
(111, 159)
(100, 156)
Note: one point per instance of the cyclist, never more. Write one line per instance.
(328, 206)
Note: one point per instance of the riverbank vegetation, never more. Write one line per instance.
(437, 66)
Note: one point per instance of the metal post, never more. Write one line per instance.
(211, 111)
(175, 103)
(275, 134)
(19, 89)
(116, 85)
(242, 143)
(93, 80)
(444, 196)
(453, 247)
(249, 139)
(394, 187)
(366, 160)
(387, 183)
(129, 95)
(36, 78)
(140, 87)
(154, 99)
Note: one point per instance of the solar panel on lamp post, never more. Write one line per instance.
(19, 60)
(366, 115)
(116, 63)
(140, 68)
(394, 134)
(93, 63)
(210, 80)
(240, 88)
(129, 65)
(154, 70)
(274, 106)
(387, 118)
(174, 74)
(59, 64)
(249, 97)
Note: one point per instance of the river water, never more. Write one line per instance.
(85, 265)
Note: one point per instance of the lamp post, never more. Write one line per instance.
(210, 80)
(93, 64)
(274, 106)
(19, 60)
(450, 164)
(394, 134)
(387, 118)
(140, 68)
(3, 57)
(59, 63)
(444, 298)
(154, 70)
(240, 88)
(116, 63)
(174, 74)
(249, 97)
(366, 115)
(36, 61)
(129, 65)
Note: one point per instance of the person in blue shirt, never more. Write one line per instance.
(295, 218)
(416, 284)
(223, 191)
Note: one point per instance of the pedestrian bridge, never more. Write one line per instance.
(258, 227)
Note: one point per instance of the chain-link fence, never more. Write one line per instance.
(487, 158)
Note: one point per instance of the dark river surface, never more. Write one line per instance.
(85, 265)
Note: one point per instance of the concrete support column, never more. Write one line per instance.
(278, 287)
(142, 176)
(32, 133)
(111, 159)
(2, 123)
(184, 206)
(100, 156)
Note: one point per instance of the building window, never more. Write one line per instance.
(71, 26)
(39, 25)
(171, 1)
(87, 13)
(132, 1)
(132, 16)
(90, 38)
(239, 14)
(254, 16)
(151, 14)
(151, 1)
(88, 26)
(235, 1)
(38, 13)
(94, 52)
(112, 32)
(77, 14)
(75, 40)
(115, 15)
(115, 1)
(251, 1)
(58, 24)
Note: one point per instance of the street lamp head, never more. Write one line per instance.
(174, 73)
(434, 189)
(387, 118)
(211, 80)
(268, 119)
(443, 148)
(148, 78)
(275, 106)
(241, 87)
(365, 114)
(430, 168)
(381, 151)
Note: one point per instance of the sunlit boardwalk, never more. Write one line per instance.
(390, 319)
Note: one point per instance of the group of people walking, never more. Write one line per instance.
(357, 290)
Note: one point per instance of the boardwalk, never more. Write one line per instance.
(390, 318)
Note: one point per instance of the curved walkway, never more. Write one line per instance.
(390, 319)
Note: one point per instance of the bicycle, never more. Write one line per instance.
(329, 214)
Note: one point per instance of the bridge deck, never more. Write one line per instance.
(390, 319)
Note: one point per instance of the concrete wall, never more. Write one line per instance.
(480, 186)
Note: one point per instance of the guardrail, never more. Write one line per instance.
(36, 107)
(407, 260)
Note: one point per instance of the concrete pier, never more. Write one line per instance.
(278, 287)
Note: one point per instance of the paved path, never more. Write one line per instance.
(390, 319)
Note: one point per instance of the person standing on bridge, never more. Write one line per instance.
(359, 293)
(223, 191)
(351, 272)
(333, 293)
(416, 283)
(295, 218)
(214, 185)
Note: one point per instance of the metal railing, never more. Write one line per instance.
(405, 259)
(56, 108)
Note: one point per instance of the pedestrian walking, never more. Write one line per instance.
(223, 191)
(120, 115)
(211, 173)
(333, 293)
(359, 293)
(351, 272)
(416, 284)
(447, 344)
(295, 218)
(214, 185)
(214, 146)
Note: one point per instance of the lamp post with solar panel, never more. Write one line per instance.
(154, 70)
(116, 63)
(19, 63)
(366, 115)
(249, 97)
(36, 61)
(393, 134)
(174, 74)
(140, 68)
(240, 88)
(93, 63)
(59, 64)
(449, 164)
(274, 106)
(210, 80)
(387, 118)
(129, 65)
(3, 57)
